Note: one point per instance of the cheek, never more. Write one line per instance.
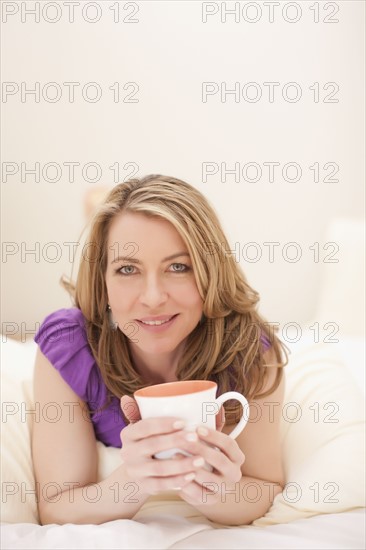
(123, 298)
(116, 296)
(191, 297)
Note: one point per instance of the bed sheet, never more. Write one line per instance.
(327, 531)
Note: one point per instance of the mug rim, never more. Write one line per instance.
(146, 391)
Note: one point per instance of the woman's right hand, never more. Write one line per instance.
(142, 439)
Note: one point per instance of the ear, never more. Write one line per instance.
(130, 409)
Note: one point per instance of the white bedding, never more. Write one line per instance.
(169, 530)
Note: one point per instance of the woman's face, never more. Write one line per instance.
(150, 278)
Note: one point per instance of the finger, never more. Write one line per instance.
(170, 467)
(178, 456)
(196, 494)
(223, 442)
(173, 483)
(220, 419)
(130, 409)
(148, 447)
(220, 452)
(149, 427)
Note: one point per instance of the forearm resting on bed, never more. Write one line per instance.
(116, 497)
(239, 503)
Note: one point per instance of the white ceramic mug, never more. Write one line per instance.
(194, 401)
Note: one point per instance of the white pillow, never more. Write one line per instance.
(323, 461)
(323, 438)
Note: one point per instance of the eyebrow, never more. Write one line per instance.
(137, 261)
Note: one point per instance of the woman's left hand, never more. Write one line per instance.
(225, 457)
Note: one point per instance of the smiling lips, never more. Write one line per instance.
(156, 321)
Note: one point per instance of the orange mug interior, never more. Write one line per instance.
(173, 389)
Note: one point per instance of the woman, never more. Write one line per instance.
(158, 298)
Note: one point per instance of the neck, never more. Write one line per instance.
(156, 368)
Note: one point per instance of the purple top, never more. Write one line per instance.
(62, 339)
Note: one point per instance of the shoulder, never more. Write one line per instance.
(64, 326)
(60, 319)
(62, 338)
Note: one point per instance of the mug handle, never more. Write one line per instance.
(239, 397)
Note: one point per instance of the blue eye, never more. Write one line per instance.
(124, 267)
(185, 268)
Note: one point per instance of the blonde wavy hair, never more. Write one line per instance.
(226, 345)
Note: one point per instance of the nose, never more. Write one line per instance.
(153, 293)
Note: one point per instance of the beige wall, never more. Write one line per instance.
(168, 53)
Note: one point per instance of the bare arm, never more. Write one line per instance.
(65, 459)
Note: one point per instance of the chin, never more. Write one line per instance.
(158, 347)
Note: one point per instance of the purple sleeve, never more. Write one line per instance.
(62, 339)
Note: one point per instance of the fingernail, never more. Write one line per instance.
(202, 431)
(177, 488)
(178, 424)
(191, 436)
(198, 462)
(189, 477)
